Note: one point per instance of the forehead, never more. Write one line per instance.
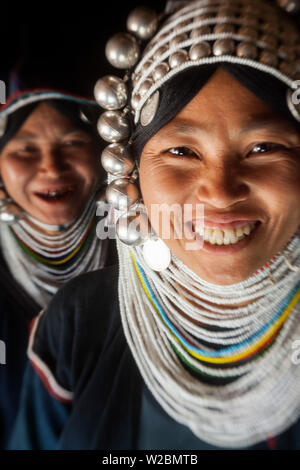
(45, 123)
(224, 101)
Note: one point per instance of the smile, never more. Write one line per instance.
(226, 235)
(55, 195)
(226, 240)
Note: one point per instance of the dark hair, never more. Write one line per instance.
(71, 110)
(181, 89)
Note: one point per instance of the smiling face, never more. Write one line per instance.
(230, 152)
(50, 167)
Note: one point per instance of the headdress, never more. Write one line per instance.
(42, 261)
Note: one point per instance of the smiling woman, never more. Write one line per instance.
(50, 184)
(193, 345)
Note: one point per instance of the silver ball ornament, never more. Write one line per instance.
(246, 49)
(142, 22)
(223, 47)
(116, 160)
(160, 71)
(178, 58)
(113, 127)
(110, 92)
(122, 51)
(10, 213)
(122, 193)
(133, 228)
(202, 49)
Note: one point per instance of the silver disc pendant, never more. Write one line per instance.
(149, 109)
(156, 254)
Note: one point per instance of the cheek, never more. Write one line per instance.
(87, 166)
(163, 183)
(16, 174)
(279, 186)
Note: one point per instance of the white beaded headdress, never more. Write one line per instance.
(254, 33)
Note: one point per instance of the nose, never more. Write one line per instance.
(222, 185)
(53, 162)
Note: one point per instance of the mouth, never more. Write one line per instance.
(54, 195)
(226, 239)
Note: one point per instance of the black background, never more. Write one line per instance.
(62, 44)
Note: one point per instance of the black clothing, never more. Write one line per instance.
(99, 397)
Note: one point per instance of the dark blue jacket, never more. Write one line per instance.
(17, 310)
(86, 391)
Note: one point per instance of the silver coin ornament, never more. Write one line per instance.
(122, 51)
(122, 193)
(142, 22)
(133, 228)
(10, 213)
(293, 102)
(156, 254)
(3, 124)
(111, 93)
(113, 126)
(116, 160)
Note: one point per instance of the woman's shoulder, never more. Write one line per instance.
(74, 327)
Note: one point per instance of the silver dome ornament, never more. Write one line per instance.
(178, 58)
(288, 68)
(111, 92)
(146, 65)
(142, 22)
(145, 86)
(247, 31)
(224, 28)
(10, 213)
(121, 193)
(178, 39)
(202, 49)
(116, 160)
(135, 100)
(160, 51)
(223, 47)
(122, 51)
(286, 53)
(113, 126)
(268, 58)
(246, 49)
(133, 228)
(196, 33)
(160, 71)
(269, 41)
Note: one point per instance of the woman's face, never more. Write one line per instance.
(230, 152)
(50, 167)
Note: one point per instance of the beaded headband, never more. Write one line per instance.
(253, 33)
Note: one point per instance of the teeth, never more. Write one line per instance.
(225, 236)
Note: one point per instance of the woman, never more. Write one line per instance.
(195, 344)
(50, 183)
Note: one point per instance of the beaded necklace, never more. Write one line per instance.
(247, 349)
(42, 263)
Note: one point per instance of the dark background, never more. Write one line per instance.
(61, 45)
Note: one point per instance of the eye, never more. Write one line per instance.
(265, 147)
(181, 152)
(75, 143)
(25, 151)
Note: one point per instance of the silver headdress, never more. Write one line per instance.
(257, 34)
